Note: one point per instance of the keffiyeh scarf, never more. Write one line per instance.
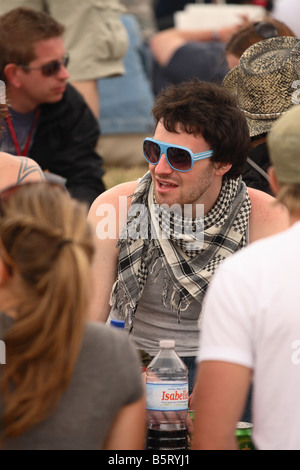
(189, 249)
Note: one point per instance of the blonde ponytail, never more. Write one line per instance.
(48, 248)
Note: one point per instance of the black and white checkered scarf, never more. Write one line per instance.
(189, 256)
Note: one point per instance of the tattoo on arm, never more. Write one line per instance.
(27, 168)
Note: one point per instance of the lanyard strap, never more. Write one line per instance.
(14, 136)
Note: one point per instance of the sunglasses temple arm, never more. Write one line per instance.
(202, 155)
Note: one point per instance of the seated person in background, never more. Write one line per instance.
(144, 14)
(94, 37)
(157, 264)
(265, 84)
(18, 170)
(180, 55)
(126, 103)
(66, 384)
(48, 120)
(164, 9)
(252, 33)
(251, 323)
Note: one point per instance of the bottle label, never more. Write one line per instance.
(167, 397)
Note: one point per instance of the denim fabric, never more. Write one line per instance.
(126, 101)
(204, 60)
(191, 364)
(247, 415)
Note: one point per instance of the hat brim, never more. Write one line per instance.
(256, 126)
(231, 79)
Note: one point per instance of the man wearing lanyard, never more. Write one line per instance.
(14, 169)
(47, 120)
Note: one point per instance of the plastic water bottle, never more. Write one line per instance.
(166, 400)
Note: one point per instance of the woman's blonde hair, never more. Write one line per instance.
(3, 114)
(46, 244)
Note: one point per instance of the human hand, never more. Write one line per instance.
(226, 33)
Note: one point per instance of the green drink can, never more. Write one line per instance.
(243, 434)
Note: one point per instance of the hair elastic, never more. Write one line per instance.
(64, 241)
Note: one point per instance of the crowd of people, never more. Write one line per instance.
(212, 118)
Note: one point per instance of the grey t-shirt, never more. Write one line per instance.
(22, 123)
(106, 377)
(153, 321)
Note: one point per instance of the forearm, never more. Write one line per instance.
(212, 441)
(99, 307)
(104, 266)
(165, 43)
(219, 400)
(103, 277)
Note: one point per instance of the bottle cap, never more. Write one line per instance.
(167, 343)
(117, 323)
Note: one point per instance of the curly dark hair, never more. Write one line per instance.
(206, 109)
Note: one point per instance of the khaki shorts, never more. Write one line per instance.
(122, 150)
(95, 36)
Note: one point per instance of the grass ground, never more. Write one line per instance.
(117, 175)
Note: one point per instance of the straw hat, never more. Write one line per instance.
(265, 81)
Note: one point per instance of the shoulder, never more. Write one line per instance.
(249, 272)
(115, 197)
(97, 334)
(267, 217)
(8, 161)
(72, 94)
(249, 260)
(71, 102)
(107, 342)
(108, 213)
(17, 170)
(113, 354)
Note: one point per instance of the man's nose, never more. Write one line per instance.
(163, 165)
(63, 72)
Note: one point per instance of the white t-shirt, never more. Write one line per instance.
(251, 317)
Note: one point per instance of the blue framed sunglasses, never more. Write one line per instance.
(179, 158)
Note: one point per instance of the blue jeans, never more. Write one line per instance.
(190, 362)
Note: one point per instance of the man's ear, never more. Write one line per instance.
(273, 182)
(12, 73)
(222, 168)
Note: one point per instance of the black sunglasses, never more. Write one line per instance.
(50, 69)
(266, 30)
